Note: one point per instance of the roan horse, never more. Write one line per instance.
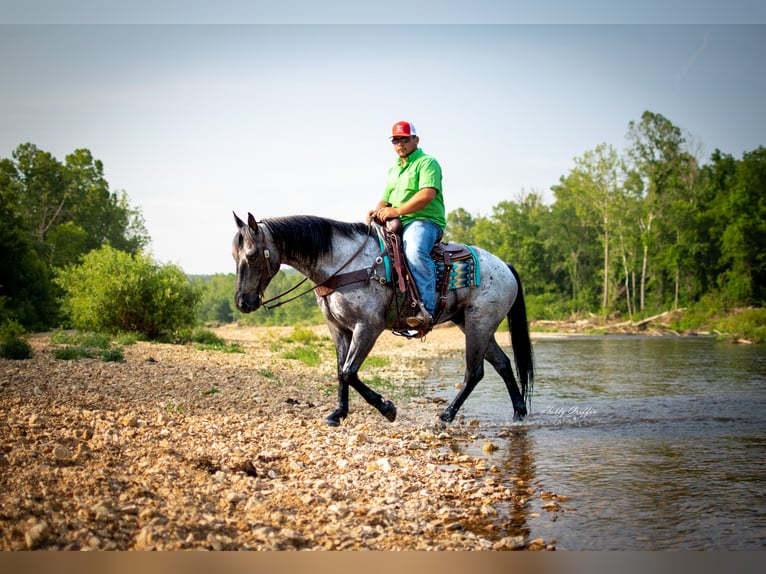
(356, 313)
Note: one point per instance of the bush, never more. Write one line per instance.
(749, 325)
(16, 349)
(113, 291)
(85, 345)
(13, 343)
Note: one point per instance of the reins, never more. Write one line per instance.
(265, 304)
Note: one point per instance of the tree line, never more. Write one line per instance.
(632, 233)
(53, 213)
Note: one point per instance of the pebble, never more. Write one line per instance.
(129, 420)
(62, 454)
(510, 543)
(36, 535)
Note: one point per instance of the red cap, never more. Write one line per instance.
(403, 129)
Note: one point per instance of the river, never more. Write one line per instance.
(634, 443)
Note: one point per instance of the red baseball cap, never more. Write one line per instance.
(403, 129)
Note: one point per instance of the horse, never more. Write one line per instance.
(320, 248)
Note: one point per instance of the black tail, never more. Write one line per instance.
(522, 345)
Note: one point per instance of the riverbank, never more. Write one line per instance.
(181, 448)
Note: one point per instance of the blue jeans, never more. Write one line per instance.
(419, 237)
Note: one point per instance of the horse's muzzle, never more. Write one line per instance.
(247, 303)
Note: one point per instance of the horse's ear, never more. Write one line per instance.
(238, 221)
(252, 222)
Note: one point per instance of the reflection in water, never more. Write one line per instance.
(659, 443)
(519, 462)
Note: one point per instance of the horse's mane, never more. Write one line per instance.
(306, 238)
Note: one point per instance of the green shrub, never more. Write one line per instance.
(113, 355)
(81, 339)
(69, 353)
(15, 348)
(13, 342)
(112, 291)
(749, 325)
(303, 335)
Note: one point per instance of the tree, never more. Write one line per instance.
(595, 184)
(75, 196)
(460, 226)
(656, 150)
(26, 293)
(743, 241)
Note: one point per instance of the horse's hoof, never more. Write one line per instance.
(333, 420)
(388, 410)
(518, 416)
(446, 417)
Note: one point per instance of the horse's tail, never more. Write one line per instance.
(521, 343)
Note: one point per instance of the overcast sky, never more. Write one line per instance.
(195, 120)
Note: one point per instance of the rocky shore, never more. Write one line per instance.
(182, 448)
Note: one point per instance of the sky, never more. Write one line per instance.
(198, 113)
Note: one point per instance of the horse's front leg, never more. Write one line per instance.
(352, 349)
(342, 341)
(334, 418)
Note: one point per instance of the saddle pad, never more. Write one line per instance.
(465, 271)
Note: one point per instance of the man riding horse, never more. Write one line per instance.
(413, 193)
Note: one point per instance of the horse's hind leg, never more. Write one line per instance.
(474, 371)
(471, 378)
(502, 364)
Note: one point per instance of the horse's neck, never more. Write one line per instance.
(344, 250)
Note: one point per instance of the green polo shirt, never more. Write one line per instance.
(404, 181)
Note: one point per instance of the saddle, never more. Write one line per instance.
(456, 266)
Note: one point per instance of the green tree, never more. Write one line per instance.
(460, 226)
(595, 186)
(743, 241)
(26, 293)
(73, 196)
(656, 148)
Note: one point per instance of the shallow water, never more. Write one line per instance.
(659, 443)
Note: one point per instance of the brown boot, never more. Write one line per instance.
(422, 321)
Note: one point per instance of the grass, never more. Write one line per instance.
(376, 362)
(85, 345)
(305, 355)
(302, 345)
(749, 325)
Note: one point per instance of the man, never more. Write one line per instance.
(414, 194)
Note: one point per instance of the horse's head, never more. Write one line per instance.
(256, 265)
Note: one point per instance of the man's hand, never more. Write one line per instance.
(385, 213)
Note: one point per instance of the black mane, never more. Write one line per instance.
(306, 238)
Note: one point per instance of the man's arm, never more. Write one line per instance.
(423, 197)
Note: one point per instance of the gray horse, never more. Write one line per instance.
(321, 248)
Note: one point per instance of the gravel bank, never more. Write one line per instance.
(180, 448)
